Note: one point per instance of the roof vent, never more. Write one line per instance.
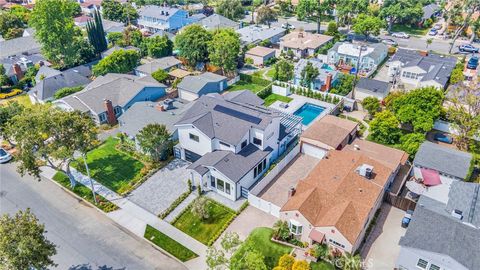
(356, 147)
(291, 191)
(162, 12)
(365, 170)
(457, 214)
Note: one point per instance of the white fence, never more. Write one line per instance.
(260, 203)
(234, 80)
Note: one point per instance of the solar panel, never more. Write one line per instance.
(237, 114)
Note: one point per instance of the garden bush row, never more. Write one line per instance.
(175, 203)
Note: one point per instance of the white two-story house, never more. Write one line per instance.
(232, 140)
(159, 18)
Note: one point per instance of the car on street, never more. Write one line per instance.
(400, 35)
(407, 218)
(472, 63)
(352, 36)
(389, 41)
(288, 26)
(4, 156)
(468, 48)
(437, 26)
(443, 138)
(432, 32)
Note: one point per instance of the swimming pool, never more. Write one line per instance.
(309, 112)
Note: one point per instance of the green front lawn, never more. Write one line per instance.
(270, 99)
(270, 73)
(410, 30)
(321, 265)
(23, 99)
(205, 230)
(168, 244)
(84, 192)
(111, 167)
(242, 85)
(260, 239)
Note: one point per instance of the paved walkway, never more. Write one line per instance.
(181, 206)
(360, 115)
(135, 218)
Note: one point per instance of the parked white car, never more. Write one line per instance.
(4, 156)
(400, 35)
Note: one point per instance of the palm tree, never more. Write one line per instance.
(281, 230)
(351, 262)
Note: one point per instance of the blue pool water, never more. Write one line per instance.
(308, 112)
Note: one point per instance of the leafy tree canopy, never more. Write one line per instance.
(308, 74)
(231, 9)
(120, 61)
(401, 11)
(371, 104)
(157, 47)
(224, 49)
(411, 142)
(283, 70)
(192, 44)
(367, 25)
(155, 140)
(384, 128)
(66, 91)
(115, 11)
(265, 15)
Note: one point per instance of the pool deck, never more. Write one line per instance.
(298, 101)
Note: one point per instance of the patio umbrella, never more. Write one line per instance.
(415, 187)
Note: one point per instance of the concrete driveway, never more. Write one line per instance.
(160, 190)
(381, 250)
(248, 220)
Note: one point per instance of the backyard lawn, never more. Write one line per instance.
(243, 85)
(321, 265)
(260, 239)
(23, 99)
(85, 192)
(110, 167)
(168, 244)
(270, 99)
(205, 230)
(410, 30)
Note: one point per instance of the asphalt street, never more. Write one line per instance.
(86, 239)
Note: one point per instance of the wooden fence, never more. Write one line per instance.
(400, 202)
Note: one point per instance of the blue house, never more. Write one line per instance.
(326, 79)
(109, 96)
(193, 87)
(158, 18)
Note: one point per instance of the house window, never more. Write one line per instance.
(257, 141)
(220, 185)
(227, 188)
(102, 117)
(434, 267)
(422, 264)
(259, 169)
(296, 228)
(244, 143)
(117, 110)
(336, 243)
(224, 144)
(194, 137)
(212, 181)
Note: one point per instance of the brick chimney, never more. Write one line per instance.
(424, 53)
(17, 70)
(111, 118)
(300, 34)
(291, 191)
(328, 81)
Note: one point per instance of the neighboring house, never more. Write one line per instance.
(82, 20)
(217, 21)
(326, 79)
(140, 114)
(111, 26)
(19, 46)
(446, 161)
(444, 235)
(429, 11)
(162, 33)
(254, 34)
(365, 58)
(303, 44)
(328, 133)
(89, 6)
(107, 97)
(49, 81)
(118, 48)
(232, 144)
(421, 69)
(165, 63)
(260, 55)
(366, 87)
(16, 66)
(336, 202)
(156, 18)
(195, 86)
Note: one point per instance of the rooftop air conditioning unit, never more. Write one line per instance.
(365, 170)
(457, 214)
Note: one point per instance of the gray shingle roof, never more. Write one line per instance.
(8, 62)
(225, 120)
(217, 21)
(443, 159)
(465, 197)
(161, 63)
(253, 33)
(371, 85)
(141, 114)
(195, 83)
(18, 46)
(429, 10)
(234, 166)
(244, 96)
(156, 11)
(111, 26)
(378, 49)
(119, 88)
(434, 229)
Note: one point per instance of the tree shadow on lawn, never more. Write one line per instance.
(87, 266)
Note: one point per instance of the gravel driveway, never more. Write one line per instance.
(160, 190)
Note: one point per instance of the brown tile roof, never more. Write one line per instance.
(389, 156)
(330, 130)
(334, 194)
(304, 40)
(260, 51)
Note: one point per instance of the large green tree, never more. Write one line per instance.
(56, 31)
(217, 257)
(401, 11)
(45, 135)
(8, 22)
(469, 7)
(224, 49)
(308, 74)
(384, 128)
(115, 11)
(192, 44)
(157, 47)
(7, 112)
(120, 61)
(314, 9)
(266, 15)
(23, 244)
(367, 25)
(154, 139)
(347, 10)
(411, 142)
(372, 105)
(283, 71)
(96, 34)
(231, 9)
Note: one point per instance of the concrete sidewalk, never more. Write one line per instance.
(135, 218)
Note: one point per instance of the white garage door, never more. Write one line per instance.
(187, 95)
(313, 151)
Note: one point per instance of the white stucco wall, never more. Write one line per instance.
(408, 258)
(203, 146)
